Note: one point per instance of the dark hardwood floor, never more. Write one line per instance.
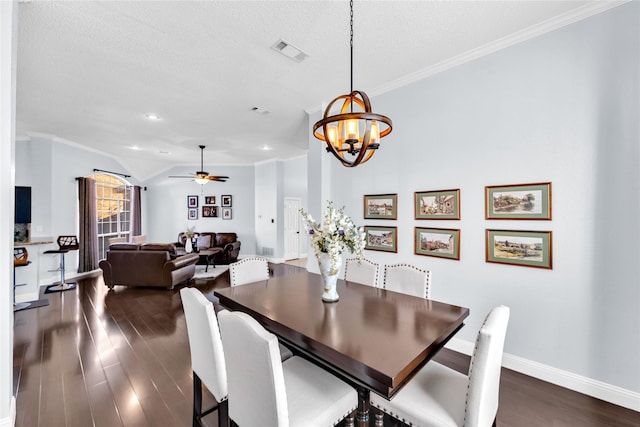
(121, 358)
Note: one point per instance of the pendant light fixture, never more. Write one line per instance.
(345, 131)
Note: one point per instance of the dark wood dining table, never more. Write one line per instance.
(374, 339)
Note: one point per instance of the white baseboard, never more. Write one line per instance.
(581, 384)
(10, 420)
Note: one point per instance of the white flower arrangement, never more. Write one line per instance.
(336, 232)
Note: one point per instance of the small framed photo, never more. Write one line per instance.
(381, 238)
(524, 248)
(441, 204)
(209, 200)
(192, 213)
(520, 201)
(381, 206)
(209, 212)
(226, 213)
(192, 201)
(438, 242)
(225, 200)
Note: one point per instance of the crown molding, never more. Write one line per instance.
(536, 30)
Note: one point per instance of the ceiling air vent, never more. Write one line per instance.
(290, 51)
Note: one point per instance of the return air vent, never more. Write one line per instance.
(290, 51)
(267, 251)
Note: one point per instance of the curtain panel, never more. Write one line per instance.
(136, 212)
(88, 251)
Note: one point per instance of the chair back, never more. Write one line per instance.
(207, 356)
(248, 270)
(257, 395)
(407, 279)
(485, 367)
(365, 272)
(69, 243)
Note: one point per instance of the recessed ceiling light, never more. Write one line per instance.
(265, 147)
(260, 110)
(151, 116)
(134, 147)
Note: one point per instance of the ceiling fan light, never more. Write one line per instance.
(202, 178)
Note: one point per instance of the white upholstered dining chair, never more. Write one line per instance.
(407, 279)
(440, 397)
(365, 272)
(264, 391)
(207, 356)
(248, 270)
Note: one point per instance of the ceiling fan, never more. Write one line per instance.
(202, 177)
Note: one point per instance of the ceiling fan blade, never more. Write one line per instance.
(217, 177)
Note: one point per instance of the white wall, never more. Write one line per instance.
(295, 185)
(268, 213)
(562, 107)
(166, 211)
(50, 168)
(8, 37)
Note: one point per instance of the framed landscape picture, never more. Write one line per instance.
(226, 213)
(524, 248)
(210, 200)
(438, 242)
(192, 201)
(381, 206)
(381, 238)
(209, 212)
(225, 200)
(521, 201)
(192, 213)
(442, 204)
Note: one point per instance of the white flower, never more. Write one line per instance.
(336, 232)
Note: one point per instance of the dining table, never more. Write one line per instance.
(371, 338)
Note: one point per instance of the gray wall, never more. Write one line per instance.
(562, 107)
(166, 209)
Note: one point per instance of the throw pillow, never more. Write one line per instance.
(204, 242)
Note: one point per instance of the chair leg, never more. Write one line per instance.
(197, 400)
(223, 414)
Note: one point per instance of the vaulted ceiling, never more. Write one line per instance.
(88, 72)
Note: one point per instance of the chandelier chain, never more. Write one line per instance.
(351, 45)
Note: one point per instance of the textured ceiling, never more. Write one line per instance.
(88, 72)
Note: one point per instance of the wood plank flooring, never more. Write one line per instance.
(121, 358)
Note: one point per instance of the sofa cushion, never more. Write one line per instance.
(224, 238)
(168, 247)
(204, 241)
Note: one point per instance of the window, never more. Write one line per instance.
(113, 197)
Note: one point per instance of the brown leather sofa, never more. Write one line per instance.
(151, 264)
(228, 242)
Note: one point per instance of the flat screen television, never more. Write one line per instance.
(23, 205)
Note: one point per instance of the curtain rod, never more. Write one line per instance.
(114, 173)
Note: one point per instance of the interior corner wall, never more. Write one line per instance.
(166, 201)
(268, 213)
(562, 107)
(295, 186)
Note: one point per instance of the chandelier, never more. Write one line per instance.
(345, 131)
